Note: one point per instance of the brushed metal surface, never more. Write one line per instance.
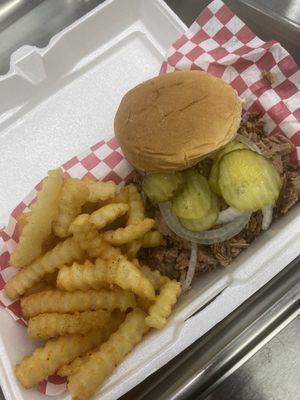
(198, 370)
(272, 373)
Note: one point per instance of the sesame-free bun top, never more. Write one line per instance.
(174, 120)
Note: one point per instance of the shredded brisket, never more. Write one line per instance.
(173, 257)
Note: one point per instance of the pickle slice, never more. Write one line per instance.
(206, 222)
(163, 186)
(214, 172)
(248, 181)
(195, 199)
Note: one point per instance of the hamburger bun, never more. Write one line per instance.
(174, 120)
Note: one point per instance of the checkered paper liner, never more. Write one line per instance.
(220, 43)
(103, 161)
(217, 42)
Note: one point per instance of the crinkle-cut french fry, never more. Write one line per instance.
(73, 195)
(39, 287)
(63, 253)
(47, 283)
(107, 214)
(100, 190)
(73, 367)
(49, 325)
(129, 233)
(89, 207)
(118, 271)
(154, 276)
(82, 277)
(66, 302)
(86, 234)
(144, 304)
(161, 309)
(22, 221)
(120, 197)
(50, 242)
(39, 221)
(100, 364)
(133, 248)
(125, 274)
(105, 251)
(136, 212)
(45, 361)
(152, 239)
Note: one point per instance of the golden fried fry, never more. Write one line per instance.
(89, 207)
(155, 277)
(39, 221)
(152, 239)
(82, 277)
(125, 274)
(121, 197)
(46, 326)
(133, 248)
(50, 242)
(129, 233)
(70, 369)
(46, 360)
(107, 214)
(64, 302)
(47, 283)
(39, 287)
(73, 195)
(100, 364)
(136, 212)
(63, 253)
(105, 251)
(119, 271)
(144, 304)
(86, 234)
(161, 309)
(100, 190)
(22, 221)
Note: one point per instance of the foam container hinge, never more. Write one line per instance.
(57, 101)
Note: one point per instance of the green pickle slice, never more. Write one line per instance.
(248, 181)
(206, 222)
(214, 172)
(194, 201)
(163, 186)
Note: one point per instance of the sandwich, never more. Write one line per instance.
(212, 179)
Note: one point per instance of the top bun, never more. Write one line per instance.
(174, 120)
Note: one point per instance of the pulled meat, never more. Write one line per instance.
(172, 259)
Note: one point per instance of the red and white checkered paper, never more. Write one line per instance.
(217, 42)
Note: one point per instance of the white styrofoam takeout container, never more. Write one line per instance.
(57, 101)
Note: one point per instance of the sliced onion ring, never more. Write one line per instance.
(267, 217)
(191, 268)
(206, 237)
(228, 215)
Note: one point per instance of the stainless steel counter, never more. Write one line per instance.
(254, 354)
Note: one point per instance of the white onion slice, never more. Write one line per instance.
(228, 215)
(191, 268)
(206, 237)
(267, 217)
(248, 142)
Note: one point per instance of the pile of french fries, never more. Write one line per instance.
(82, 287)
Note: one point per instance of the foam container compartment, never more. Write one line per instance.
(57, 101)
